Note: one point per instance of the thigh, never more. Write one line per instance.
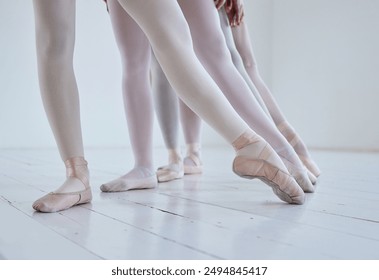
(55, 21)
(131, 40)
(203, 19)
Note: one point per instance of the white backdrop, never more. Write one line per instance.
(318, 56)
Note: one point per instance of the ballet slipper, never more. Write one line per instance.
(192, 164)
(170, 172)
(301, 175)
(148, 180)
(288, 132)
(312, 177)
(76, 168)
(310, 165)
(265, 165)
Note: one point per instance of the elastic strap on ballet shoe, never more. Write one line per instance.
(246, 138)
(74, 168)
(294, 138)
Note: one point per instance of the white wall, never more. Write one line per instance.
(325, 70)
(318, 53)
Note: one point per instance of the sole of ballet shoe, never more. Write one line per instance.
(62, 201)
(274, 177)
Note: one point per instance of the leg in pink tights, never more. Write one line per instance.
(244, 47)
(55, 37)
(167, 108)
(237, 60)
(135, 57)
(211, 49)
(168, 33)
(191, 124)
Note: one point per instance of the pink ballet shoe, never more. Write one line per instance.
(195, 168)
(301, 175)
(170, 172)
(57, 201)
(312, 177)
(310, 165)
(267, 167)
(288, 132)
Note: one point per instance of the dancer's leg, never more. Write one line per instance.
(244, 47)
(167, 109)
(165, 26)
(55, 37)
(191, 124)
(237, 60)
(211, 48)
(135, 57)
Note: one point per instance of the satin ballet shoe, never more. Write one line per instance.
(196, 166)
(57, 201)
(312, 177)
(301, 175)
(123, 184)
(170, 172)
(310, 165)
(288, 132)
(267, 167)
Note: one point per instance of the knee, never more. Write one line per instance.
(249, 63)
(212, 49)
(55, 46)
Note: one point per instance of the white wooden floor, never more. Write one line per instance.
(216, 215)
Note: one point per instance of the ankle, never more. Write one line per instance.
(193, 149)
(174, 156)
(77, 167)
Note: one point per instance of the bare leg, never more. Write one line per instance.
(55, 37)
(135, 56)
(243, 44)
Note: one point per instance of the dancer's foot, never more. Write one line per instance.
(74, 191)
(170, 172)
(192, 165)
(299, 172)
(137, 178)
(256, 159)
(174, 169)
(192, 162)
(300, 148)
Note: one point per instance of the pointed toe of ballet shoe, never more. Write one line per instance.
(104, 188)
(312, 177)
(311, 165)
(286, 188)
(305, 184)
(281, 182)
